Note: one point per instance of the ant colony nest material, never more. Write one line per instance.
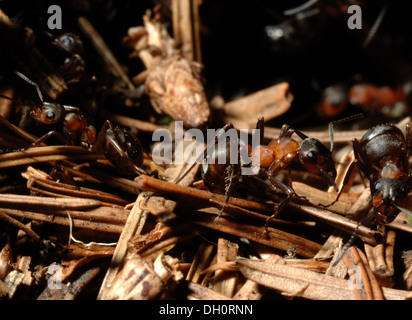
(205, 150)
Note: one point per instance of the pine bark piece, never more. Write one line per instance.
(268, 103)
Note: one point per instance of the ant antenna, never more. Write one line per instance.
(408, 212)
(302, 7)
(375, 25)
(355, 232)
(25, 78)
(347, 119)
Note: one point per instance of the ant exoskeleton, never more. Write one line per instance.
(382, 156)
(118, 145)
(70, 51)
(277, 155)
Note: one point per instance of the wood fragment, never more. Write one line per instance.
(13, 200)
(133, 226)
(67, 190)
(204, 256)
(186, 28)
(380, 259)
(6, 218)
(173, 82)
(147, 183)
(199, 292)
(367, 286)
(46, 154)
(225, 281)
(368, 235)
(268, 103)
(69, 291)
(6, 259)
(274, 238)
(82, 222)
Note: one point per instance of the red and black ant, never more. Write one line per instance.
(277, 155)
(69, 51)
(118, 145)
(382, 156)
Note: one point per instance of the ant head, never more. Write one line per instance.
(49, 113)
(316, 158)
(71, 43)
(390, 195)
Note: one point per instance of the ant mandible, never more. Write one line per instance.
(118, 145)
(382, 156)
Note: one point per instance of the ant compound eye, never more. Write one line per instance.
(312, 156)
(377, 185)
(71, 43)
(50, 115)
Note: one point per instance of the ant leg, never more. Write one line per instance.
(114, 137)
(291, 186)
(327, 176)
(408, 136)
(348, 176)
(101, 138)
(207, 150)
(358, 152)
(228, 190)
(260, 125)
(363, 161)
(290, 194)
(43, 138)
(354, 234)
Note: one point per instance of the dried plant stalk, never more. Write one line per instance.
(46, 186)
(133, 226)
(225, 281)
(46, 154)
(81, 222)
(380, 259)
(204, 256)
(173, 82)
(274, 238)
(307, 284)
(147, 183)
(368, 287)
(69, 291)
(199, 292)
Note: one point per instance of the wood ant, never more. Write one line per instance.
(70, 49)
(277, 155)
(118, 145)
(382, 156)
(378, 100)
(390, 102)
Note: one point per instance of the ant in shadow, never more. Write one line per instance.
(277, 155)
(119, 146)
(382, 156)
